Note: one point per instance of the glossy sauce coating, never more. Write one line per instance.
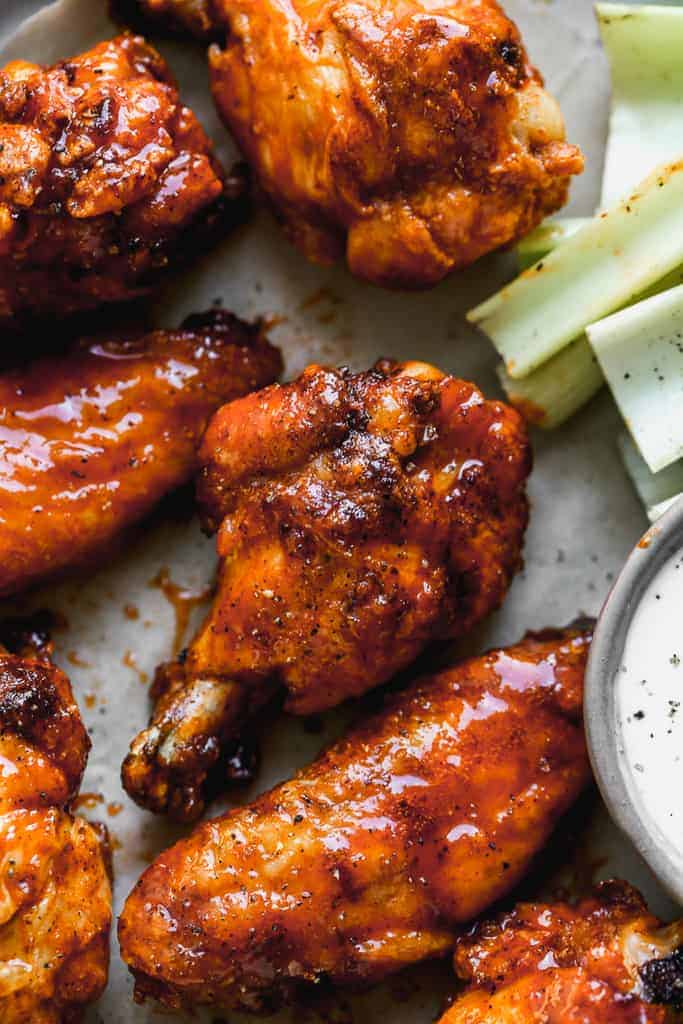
(360, 517)
(55, 891)
(413, 136)
(91, 441)
(372, 857)
(103, 172)
(562, 964)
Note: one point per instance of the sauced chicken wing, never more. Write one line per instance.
(89, 442)
(412, 135)
(359, 518)
(55, 892)
(370, 859)
(605, 961)
(193, 16)
(103, 173)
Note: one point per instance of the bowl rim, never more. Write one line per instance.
(663, 539)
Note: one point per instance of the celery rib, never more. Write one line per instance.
(546, 237)
(640, 351)
(538, 322)
(655, 490)
(655, 512)
(644, 43)
(599, 269)
(559, 388)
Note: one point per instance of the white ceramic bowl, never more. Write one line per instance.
(603, 723)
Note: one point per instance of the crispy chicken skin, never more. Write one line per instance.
(104, 174)
(605, 961)
(412, 135)
(359, 517)
(183, 16)
(89, 442)
(55, 890)
(369, 859)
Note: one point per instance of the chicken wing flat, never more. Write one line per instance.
(414, 136)
(104, 175)
(55, 890)
(372, 857)
(605, 961)
(359, 518)
(89, 442)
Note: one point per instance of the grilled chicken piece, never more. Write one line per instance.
(55, 889)
(89, 442)
(194, 16)
(372, 857)
(413, 136)
(359, 517)
(605, 961)
(105, 180)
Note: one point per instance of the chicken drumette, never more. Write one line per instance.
(89, 442)
(105, 179)
(414, 136)
(359, 518)
(605, 961)
(370, 859)
(55, 891)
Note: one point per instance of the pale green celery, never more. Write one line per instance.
(654, 489)
(644, 45)
(640, 351)
(558, 389)
(561, 386)
(601, 268)
(656, 512)
(546, 237)
(555, 391)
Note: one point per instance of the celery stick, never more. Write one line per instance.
(640, 351)
(644, 43)
(558, 389)
(655, 512)
(606, 263)
(653, 488)
(562, 385)
(545, 238)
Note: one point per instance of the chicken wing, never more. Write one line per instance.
(369, 859)
(359, 518)
(194, 16)
(605, 961)
(414, 136)
(104, 178)
(89, 442)
(55, 890)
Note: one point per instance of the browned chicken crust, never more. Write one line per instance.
(414, 136)
(55, 890)
(369, 859)
(605, 961)
(104, 174)
(360, 517)
(91, 441)
(177, 16)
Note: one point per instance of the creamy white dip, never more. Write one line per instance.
(650, 701)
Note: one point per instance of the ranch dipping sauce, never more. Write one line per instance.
(649, 694)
